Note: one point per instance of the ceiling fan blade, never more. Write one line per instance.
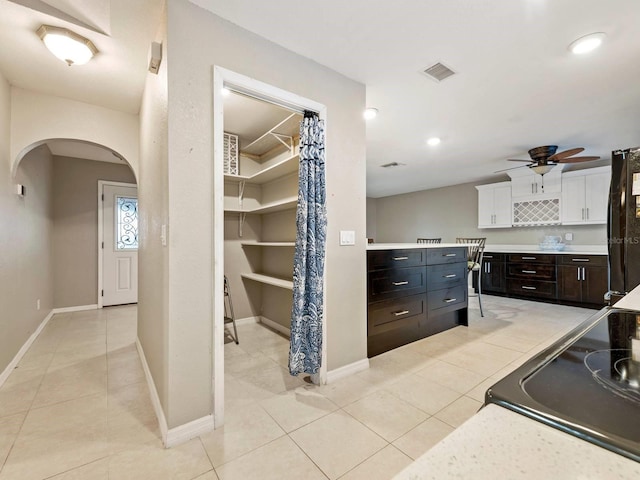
(577, 159)
(517, 160)
(565, 154)
(512, 168)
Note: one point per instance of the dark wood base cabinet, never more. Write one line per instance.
(579, 280)
(414, 293)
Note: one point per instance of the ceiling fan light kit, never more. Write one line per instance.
(68, 46)
(544, 158)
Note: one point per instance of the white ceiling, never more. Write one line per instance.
(516, 85)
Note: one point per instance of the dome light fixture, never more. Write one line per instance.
(543, 168)
(587, 43)
(433, 141)
(68, 46)
(370, 113)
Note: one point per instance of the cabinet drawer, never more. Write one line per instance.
(496, 257)
(447, 297)
(438, 256)
(532, 258)
(442, 276)
(532, 270)
(378, 259)
(583, 260)
(532, 288)
(390, 314)
(396, 282)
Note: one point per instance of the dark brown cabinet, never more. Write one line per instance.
(493, 273)
(582, 279)
(531, 275)
(414, 293)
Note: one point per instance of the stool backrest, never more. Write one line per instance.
(474, 250)
(429, 240)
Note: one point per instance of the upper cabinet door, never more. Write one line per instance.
(597, 197)
(502, 206)
(573, 209)
(494, 205)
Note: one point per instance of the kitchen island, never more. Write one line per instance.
(414, 290)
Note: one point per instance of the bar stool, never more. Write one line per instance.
(474, 261)
(229, 316)
(429, 240)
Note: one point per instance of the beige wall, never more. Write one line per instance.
(25, 239)
(75, 227)
(198, 40)
(372, 214)
(452, 212)
(153, 258)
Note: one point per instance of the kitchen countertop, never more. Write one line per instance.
(498, 443)
(631, 300)
(394, 246)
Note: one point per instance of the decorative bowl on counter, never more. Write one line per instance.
(552, 243)
(552, 247)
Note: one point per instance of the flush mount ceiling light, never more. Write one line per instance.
(68, 46)
(587, 43)
(370, 113)
(433, 141)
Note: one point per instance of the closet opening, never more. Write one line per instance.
(257, 171)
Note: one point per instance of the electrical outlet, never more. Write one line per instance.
(38, 304)
(568, 236)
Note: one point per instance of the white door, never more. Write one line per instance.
(120, 246)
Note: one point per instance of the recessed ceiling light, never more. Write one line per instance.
(433, 141)
(68, 46)
(370, 113)
(587, 43)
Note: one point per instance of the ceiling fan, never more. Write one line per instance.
(544, 158)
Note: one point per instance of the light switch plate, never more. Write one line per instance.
(347, 237)
(568, 236)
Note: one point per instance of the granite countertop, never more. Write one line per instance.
(630, 301)
(499, 443)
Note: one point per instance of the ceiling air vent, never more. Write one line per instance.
(438, 72)
(392, 164)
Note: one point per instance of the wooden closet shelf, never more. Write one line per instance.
(269, 280)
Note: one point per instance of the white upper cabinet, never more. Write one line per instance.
(531, 184)
(585, 195)
(494, 205)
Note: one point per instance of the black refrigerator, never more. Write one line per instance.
(624, 223)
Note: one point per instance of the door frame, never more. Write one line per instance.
(101, 184)
(224, 78)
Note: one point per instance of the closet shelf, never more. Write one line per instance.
(284, 204)
(285, 130)
(275, 171)
(267, 244)
(269, 280)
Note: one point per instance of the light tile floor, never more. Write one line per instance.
(77, 406)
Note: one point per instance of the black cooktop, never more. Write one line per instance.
(586, 384)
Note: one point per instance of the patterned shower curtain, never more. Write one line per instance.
(305, 353)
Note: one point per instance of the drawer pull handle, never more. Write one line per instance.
(528, 288)
(488, 256)
(449, 254)
(449, 300)
(451, 275)
(529, 271)
(400, 258)
(529, 258)
(397, 284)
(579, 259)
(402, 312)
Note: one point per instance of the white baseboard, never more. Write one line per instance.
(177, 435)
(246, 320)
(78, 308)
(155, 399)
(14, 363)
(183, 433)
(347, 370)
(276, 326)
